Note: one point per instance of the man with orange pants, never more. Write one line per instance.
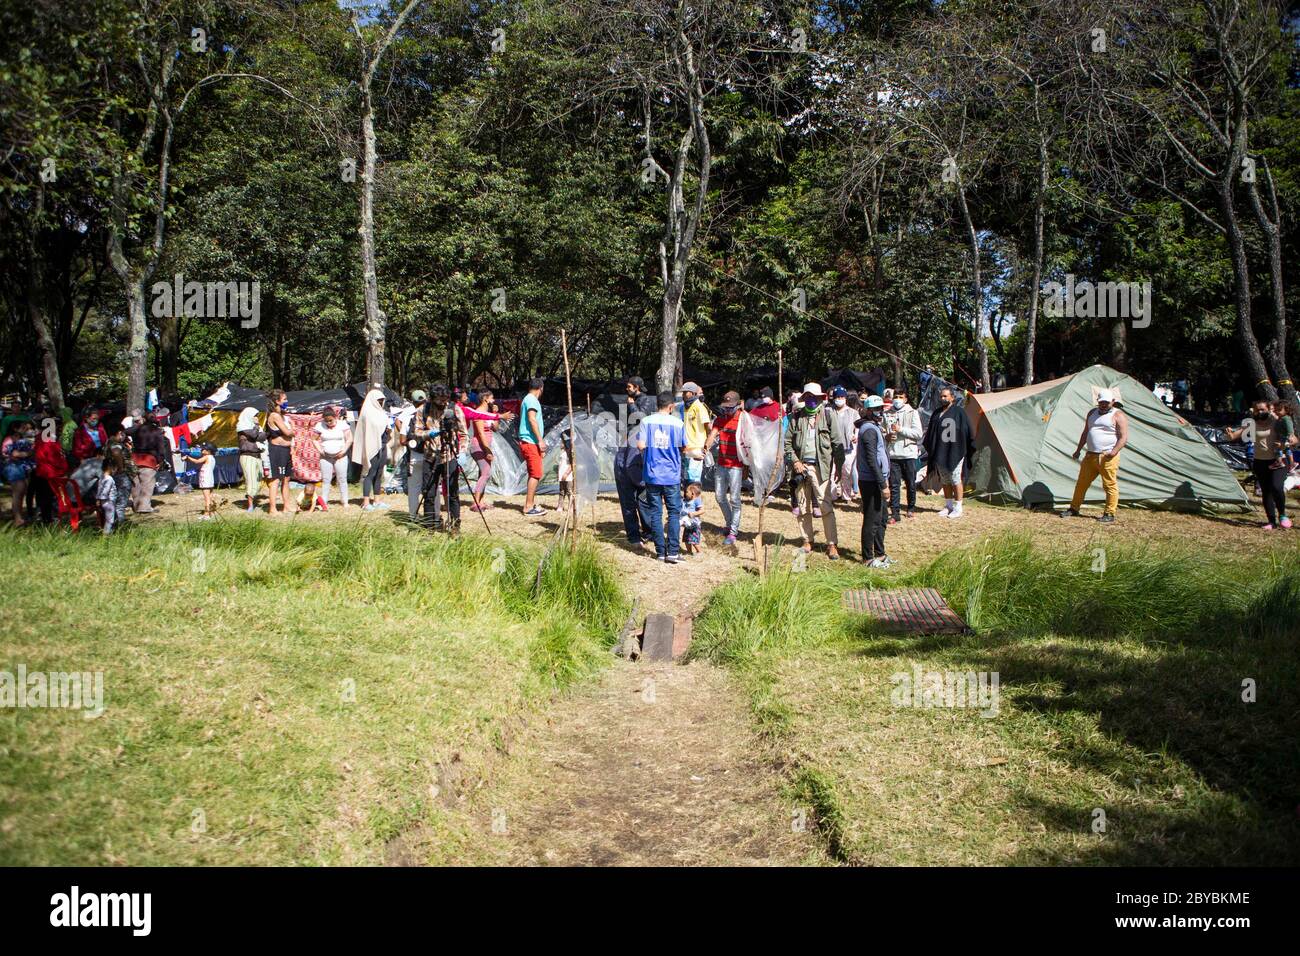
(1105, 432)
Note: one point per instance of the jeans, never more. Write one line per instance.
(656, 496)
(873, 520)
(902, 471)
(726, 487)
(629, 501)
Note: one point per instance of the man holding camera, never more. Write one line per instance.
(446, 437)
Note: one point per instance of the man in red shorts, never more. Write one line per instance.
(531, 444)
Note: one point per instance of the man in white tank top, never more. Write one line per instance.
(1105, 432)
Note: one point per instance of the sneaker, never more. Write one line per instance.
(795, 511)
(534, 512)
(911, 513)
(955, 513)
(1107, 519)
(205, 518)
(1266, 527)
(891, 521)
(1285, 523)
(730, 541)
(251, 508)
(672, 558)
(320, 503)
(381, 505)
(877, 563)
(817, 512)
(888, 562)
(1068, 513)
(833, 553)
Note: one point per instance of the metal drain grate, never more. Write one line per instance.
(913, 610)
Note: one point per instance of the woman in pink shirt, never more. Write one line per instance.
(482, 423)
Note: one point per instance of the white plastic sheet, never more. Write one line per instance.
(759, 445)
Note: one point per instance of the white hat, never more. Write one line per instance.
(1104, 395)
(813, 388)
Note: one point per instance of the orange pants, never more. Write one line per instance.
(1092, 465)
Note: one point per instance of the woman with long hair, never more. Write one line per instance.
(480, 447)
(1269, 465)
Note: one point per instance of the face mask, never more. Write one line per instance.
(689, 401)
(898, 403)
(840, 402)
(811, 403)
(283, 406)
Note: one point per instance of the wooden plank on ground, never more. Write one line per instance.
(657, 639)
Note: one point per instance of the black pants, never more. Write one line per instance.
(902, 471)
(1271, 488)
(873, 520)
(435, 473)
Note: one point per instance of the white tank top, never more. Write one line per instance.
(1101, 431)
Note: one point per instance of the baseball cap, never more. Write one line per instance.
(691, 387)
(1104, 395)
(875, 401)
(419, 395)
(839, 391)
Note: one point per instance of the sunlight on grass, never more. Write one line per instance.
(1121, 678)
(278, 694)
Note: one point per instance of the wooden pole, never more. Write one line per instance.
(760, 548)
(573, 433)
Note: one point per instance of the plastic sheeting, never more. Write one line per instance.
(596, 438)
(760, 445)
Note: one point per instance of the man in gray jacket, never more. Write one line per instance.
(902, 427)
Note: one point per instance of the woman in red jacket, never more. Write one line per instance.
(90, 439)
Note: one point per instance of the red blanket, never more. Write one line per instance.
(303, 453)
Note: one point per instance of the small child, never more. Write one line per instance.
(206, 458)
(106, 493)
(692, 509)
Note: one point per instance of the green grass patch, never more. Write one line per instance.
(277, 693)
(1121, 679)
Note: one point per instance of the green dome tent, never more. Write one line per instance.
(1024, 438)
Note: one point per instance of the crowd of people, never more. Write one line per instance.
(838, 451)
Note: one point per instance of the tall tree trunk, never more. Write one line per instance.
(44, 341)
(1275, 347)
(138, 348)
(1031, 325)
(169, 347)
(1241, 288)
(977, 286)
(376, 330)
(1119, 345)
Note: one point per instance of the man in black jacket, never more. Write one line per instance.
(948, 446)
(628, 480)
(873, 482)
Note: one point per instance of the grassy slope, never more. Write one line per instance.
(224, 686)
(1120, 690)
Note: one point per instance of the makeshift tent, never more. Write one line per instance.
(868, 382)
(1024, 439)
